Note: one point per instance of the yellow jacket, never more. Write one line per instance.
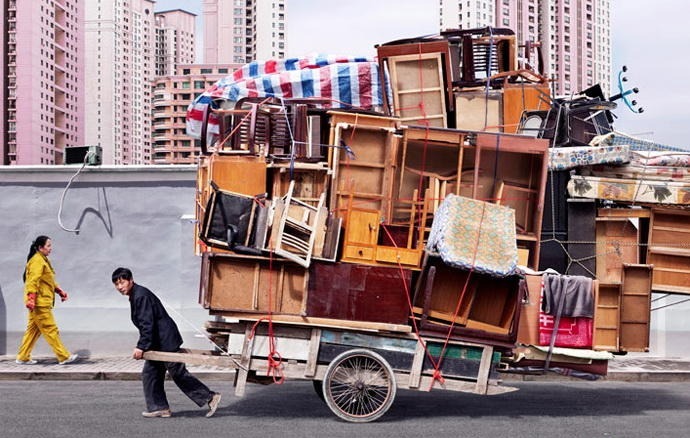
(40, 279)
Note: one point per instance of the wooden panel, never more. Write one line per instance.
(617, 243)
(241, 284)
(475, 111)
(522, 97)
(418, 89)
(448, 287)
(635, 307)
(358, 293)
(493, 307)
(606, 316)
(528, 329)
(669, 250)
(238, 174)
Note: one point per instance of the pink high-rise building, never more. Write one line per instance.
(171, 96)
(574, 34)
(42, 86)
(241, 31)
(120, 66)
(175, 40)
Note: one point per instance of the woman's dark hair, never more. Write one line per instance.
(39, 242)
(122, 274)
(33, 249)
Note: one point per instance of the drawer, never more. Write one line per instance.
(358, 252)
(391, 254)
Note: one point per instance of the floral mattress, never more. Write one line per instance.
(630, 190)
(472, 234)
(570, 157)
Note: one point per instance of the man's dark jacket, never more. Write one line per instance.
(157, 331)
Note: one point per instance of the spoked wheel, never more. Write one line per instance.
(359, 386)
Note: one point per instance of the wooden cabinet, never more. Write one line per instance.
(361, 235)
(253, 285)
(480, 306)
(363, 162)
(669, 250)
(518, 167)
(506, 169)
(622, 311)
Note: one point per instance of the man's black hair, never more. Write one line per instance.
(122, 274)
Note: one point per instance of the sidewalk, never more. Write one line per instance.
(94, 368)
(623, 368)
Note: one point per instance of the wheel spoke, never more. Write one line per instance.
(359, 387)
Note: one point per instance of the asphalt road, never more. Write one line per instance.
(104, 409)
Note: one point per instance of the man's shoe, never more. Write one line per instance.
(26, 362)
(213, 404)
(163, 413)
(71, 359)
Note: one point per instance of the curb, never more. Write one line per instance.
(227, 376)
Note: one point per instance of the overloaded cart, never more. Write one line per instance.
(405, 223)
(356, 372)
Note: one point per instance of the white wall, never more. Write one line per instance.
(138, 217)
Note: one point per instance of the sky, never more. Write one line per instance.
(650, 37)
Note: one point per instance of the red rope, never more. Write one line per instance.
(274, 359)
(464, 289)
(437, 375)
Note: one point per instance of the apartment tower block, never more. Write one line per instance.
(42, 83)
(242, 31)
(574, 34)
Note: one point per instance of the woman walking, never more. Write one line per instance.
(40, 288)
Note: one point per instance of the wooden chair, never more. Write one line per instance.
(298, 227)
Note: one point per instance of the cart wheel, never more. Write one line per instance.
(359, 386)
(318, 388)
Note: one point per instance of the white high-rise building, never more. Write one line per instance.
(459, 14)
(574, 34)
(120, 43)
(241, 31)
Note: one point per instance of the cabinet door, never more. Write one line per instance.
(635, 307)
(606, 316)
(669, 250)
(361, 235)
(362, 227)
(617, 243)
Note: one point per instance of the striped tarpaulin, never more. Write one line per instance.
(345, 82)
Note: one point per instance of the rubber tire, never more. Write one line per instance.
(359, 386)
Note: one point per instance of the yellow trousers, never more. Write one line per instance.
(41, 322)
